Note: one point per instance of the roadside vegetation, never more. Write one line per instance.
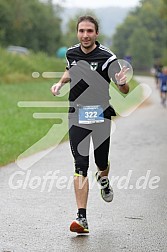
(36, 25)
(18, 129)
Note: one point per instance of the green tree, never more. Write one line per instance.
(163, 9)
(163, 15)
(5, 21)
(148, 15)
(151, 19)
(70, 37)
(140, 42)
(32, 24)
(121, 37)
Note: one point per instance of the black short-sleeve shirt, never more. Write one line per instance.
(90, 75)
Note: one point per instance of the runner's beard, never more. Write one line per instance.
(87, 46)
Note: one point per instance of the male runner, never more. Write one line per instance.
(90, 68)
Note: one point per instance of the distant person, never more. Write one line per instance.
(88, 65)
(157, 70)
(163, 85)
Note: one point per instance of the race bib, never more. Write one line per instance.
(91, 114)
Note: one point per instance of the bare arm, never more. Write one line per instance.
(124, 89)
(57, 86)
(122, 80)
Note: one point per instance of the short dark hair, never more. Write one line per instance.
(90, 19)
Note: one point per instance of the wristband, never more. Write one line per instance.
(121, 85)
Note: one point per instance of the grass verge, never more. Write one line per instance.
(18, 129)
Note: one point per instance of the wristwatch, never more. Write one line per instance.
(121, 85)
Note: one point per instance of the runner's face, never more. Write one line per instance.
(87, 34)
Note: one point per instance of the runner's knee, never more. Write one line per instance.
(81, 171)
(102, 164)
(81, 166)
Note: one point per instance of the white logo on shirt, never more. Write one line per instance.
(74, 63)
(93, 66)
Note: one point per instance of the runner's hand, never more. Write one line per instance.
(121, 76)
(55, 88)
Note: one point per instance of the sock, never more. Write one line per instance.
(82, 212)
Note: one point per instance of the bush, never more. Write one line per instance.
(15, 68)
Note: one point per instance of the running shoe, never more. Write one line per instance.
(80, 225)
(107, 193)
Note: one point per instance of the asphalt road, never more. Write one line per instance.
(35, 213)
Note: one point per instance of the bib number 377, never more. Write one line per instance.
(91, 114)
